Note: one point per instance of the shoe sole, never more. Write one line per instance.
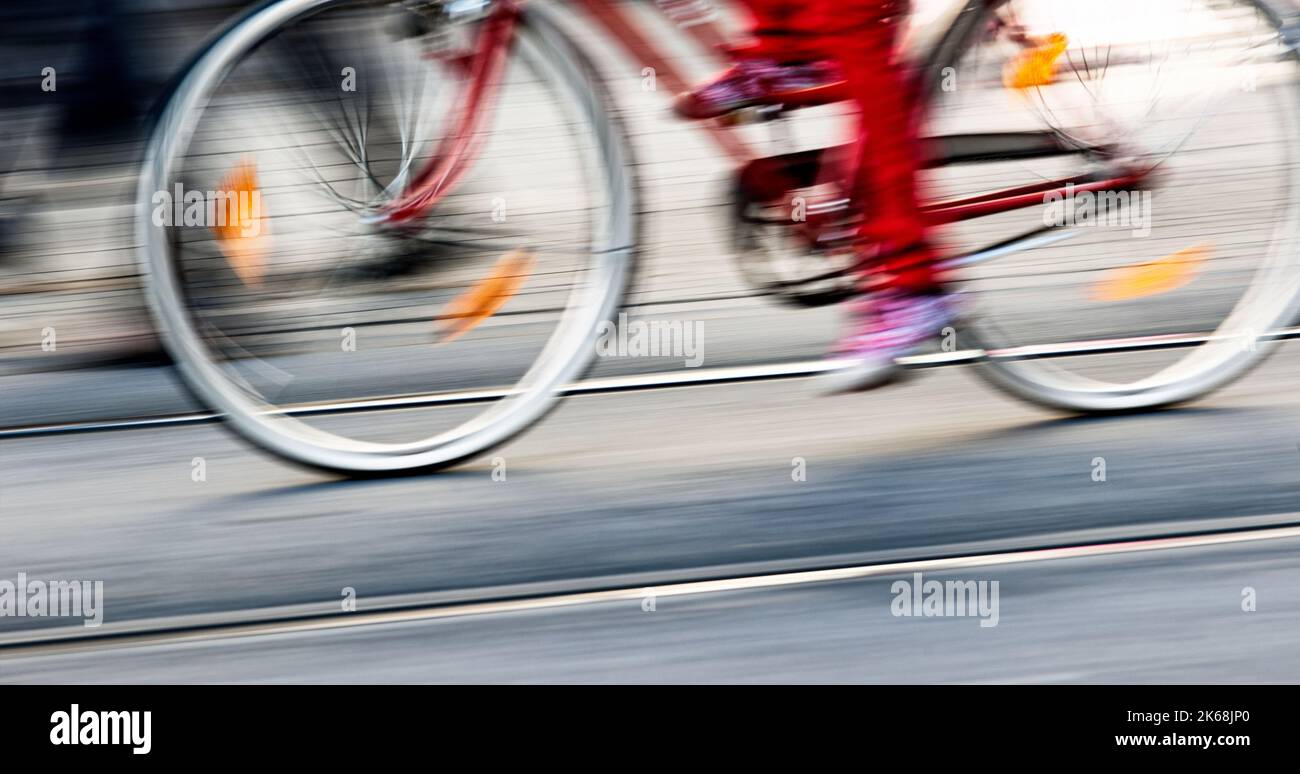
(860, 377)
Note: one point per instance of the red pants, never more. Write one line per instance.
(861, 35)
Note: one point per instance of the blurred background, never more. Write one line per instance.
(742, 530)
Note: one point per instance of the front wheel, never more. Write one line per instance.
(322, 115)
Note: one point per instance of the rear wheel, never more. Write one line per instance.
(1153, 296)
(486, 305)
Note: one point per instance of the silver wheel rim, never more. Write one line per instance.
(1271, 301)
(566, 354)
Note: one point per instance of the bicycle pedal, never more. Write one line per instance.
(755, 114)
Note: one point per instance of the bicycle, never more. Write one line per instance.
(407, 184)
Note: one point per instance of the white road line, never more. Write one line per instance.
(193, 630)
(683, 378)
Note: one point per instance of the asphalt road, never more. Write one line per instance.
(649, 487)
(1156, 617)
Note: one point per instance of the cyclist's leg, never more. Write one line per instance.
(900, 308)
(863, 35)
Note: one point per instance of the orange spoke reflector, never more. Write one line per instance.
(240, 221)
(1148, 279)
(1035, 66)
(464, 312)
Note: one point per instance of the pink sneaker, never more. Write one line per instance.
(882, 328)
(762, 81)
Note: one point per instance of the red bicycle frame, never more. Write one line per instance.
(484, 65)
(458, 149)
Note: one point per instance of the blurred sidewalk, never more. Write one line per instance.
(67, 183)
(74, 268)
